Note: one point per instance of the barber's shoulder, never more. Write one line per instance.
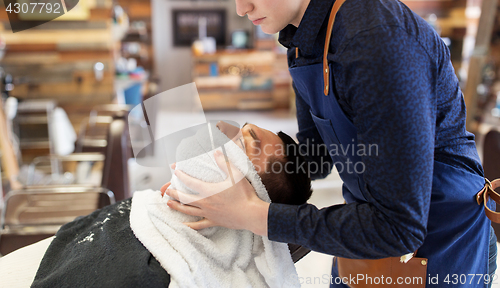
(369, 16)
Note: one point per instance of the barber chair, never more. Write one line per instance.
(36, 213)
(33, 126)
(107, 132)
(491, 163)
(115, 175)
(114, 154)
(93, 132)
(56, 162)
(65, 200)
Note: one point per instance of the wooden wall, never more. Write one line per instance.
(140, 10)
(56, 60)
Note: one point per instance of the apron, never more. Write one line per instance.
(457, 230)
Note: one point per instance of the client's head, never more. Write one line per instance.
(277, 160)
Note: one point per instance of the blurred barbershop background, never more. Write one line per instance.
(67, 87)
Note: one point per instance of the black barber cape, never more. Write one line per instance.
(100, 250)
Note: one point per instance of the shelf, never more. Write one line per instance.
(245, 80)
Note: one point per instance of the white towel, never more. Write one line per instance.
(216, 256)
(62, 132)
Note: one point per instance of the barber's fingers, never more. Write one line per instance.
(204, 188)
(186, 209)
(227, 167)
(203, 223)
(164, 188)
(182, 197)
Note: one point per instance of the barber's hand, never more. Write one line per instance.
(234, 206)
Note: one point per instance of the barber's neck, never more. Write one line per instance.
(296, 21)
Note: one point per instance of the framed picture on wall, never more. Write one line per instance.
(185, 25)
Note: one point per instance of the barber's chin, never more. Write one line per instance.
(268, 29)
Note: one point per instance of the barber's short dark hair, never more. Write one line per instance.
(291, 185)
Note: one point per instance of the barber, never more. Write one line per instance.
(385, 88)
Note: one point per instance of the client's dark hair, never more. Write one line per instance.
(290, 184)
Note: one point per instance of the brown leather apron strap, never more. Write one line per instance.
(326, 70)
(487, 192)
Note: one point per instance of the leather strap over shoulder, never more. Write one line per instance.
(326, 70)
(487, 192)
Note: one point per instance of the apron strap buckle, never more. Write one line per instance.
(485, 194)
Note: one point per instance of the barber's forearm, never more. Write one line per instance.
(347, 230)
(258, 221)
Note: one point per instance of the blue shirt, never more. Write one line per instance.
(394, 80)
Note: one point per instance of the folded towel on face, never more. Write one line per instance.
(216, 256)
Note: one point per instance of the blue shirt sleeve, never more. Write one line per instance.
(387, 79)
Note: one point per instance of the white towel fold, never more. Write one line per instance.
(216, 256)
